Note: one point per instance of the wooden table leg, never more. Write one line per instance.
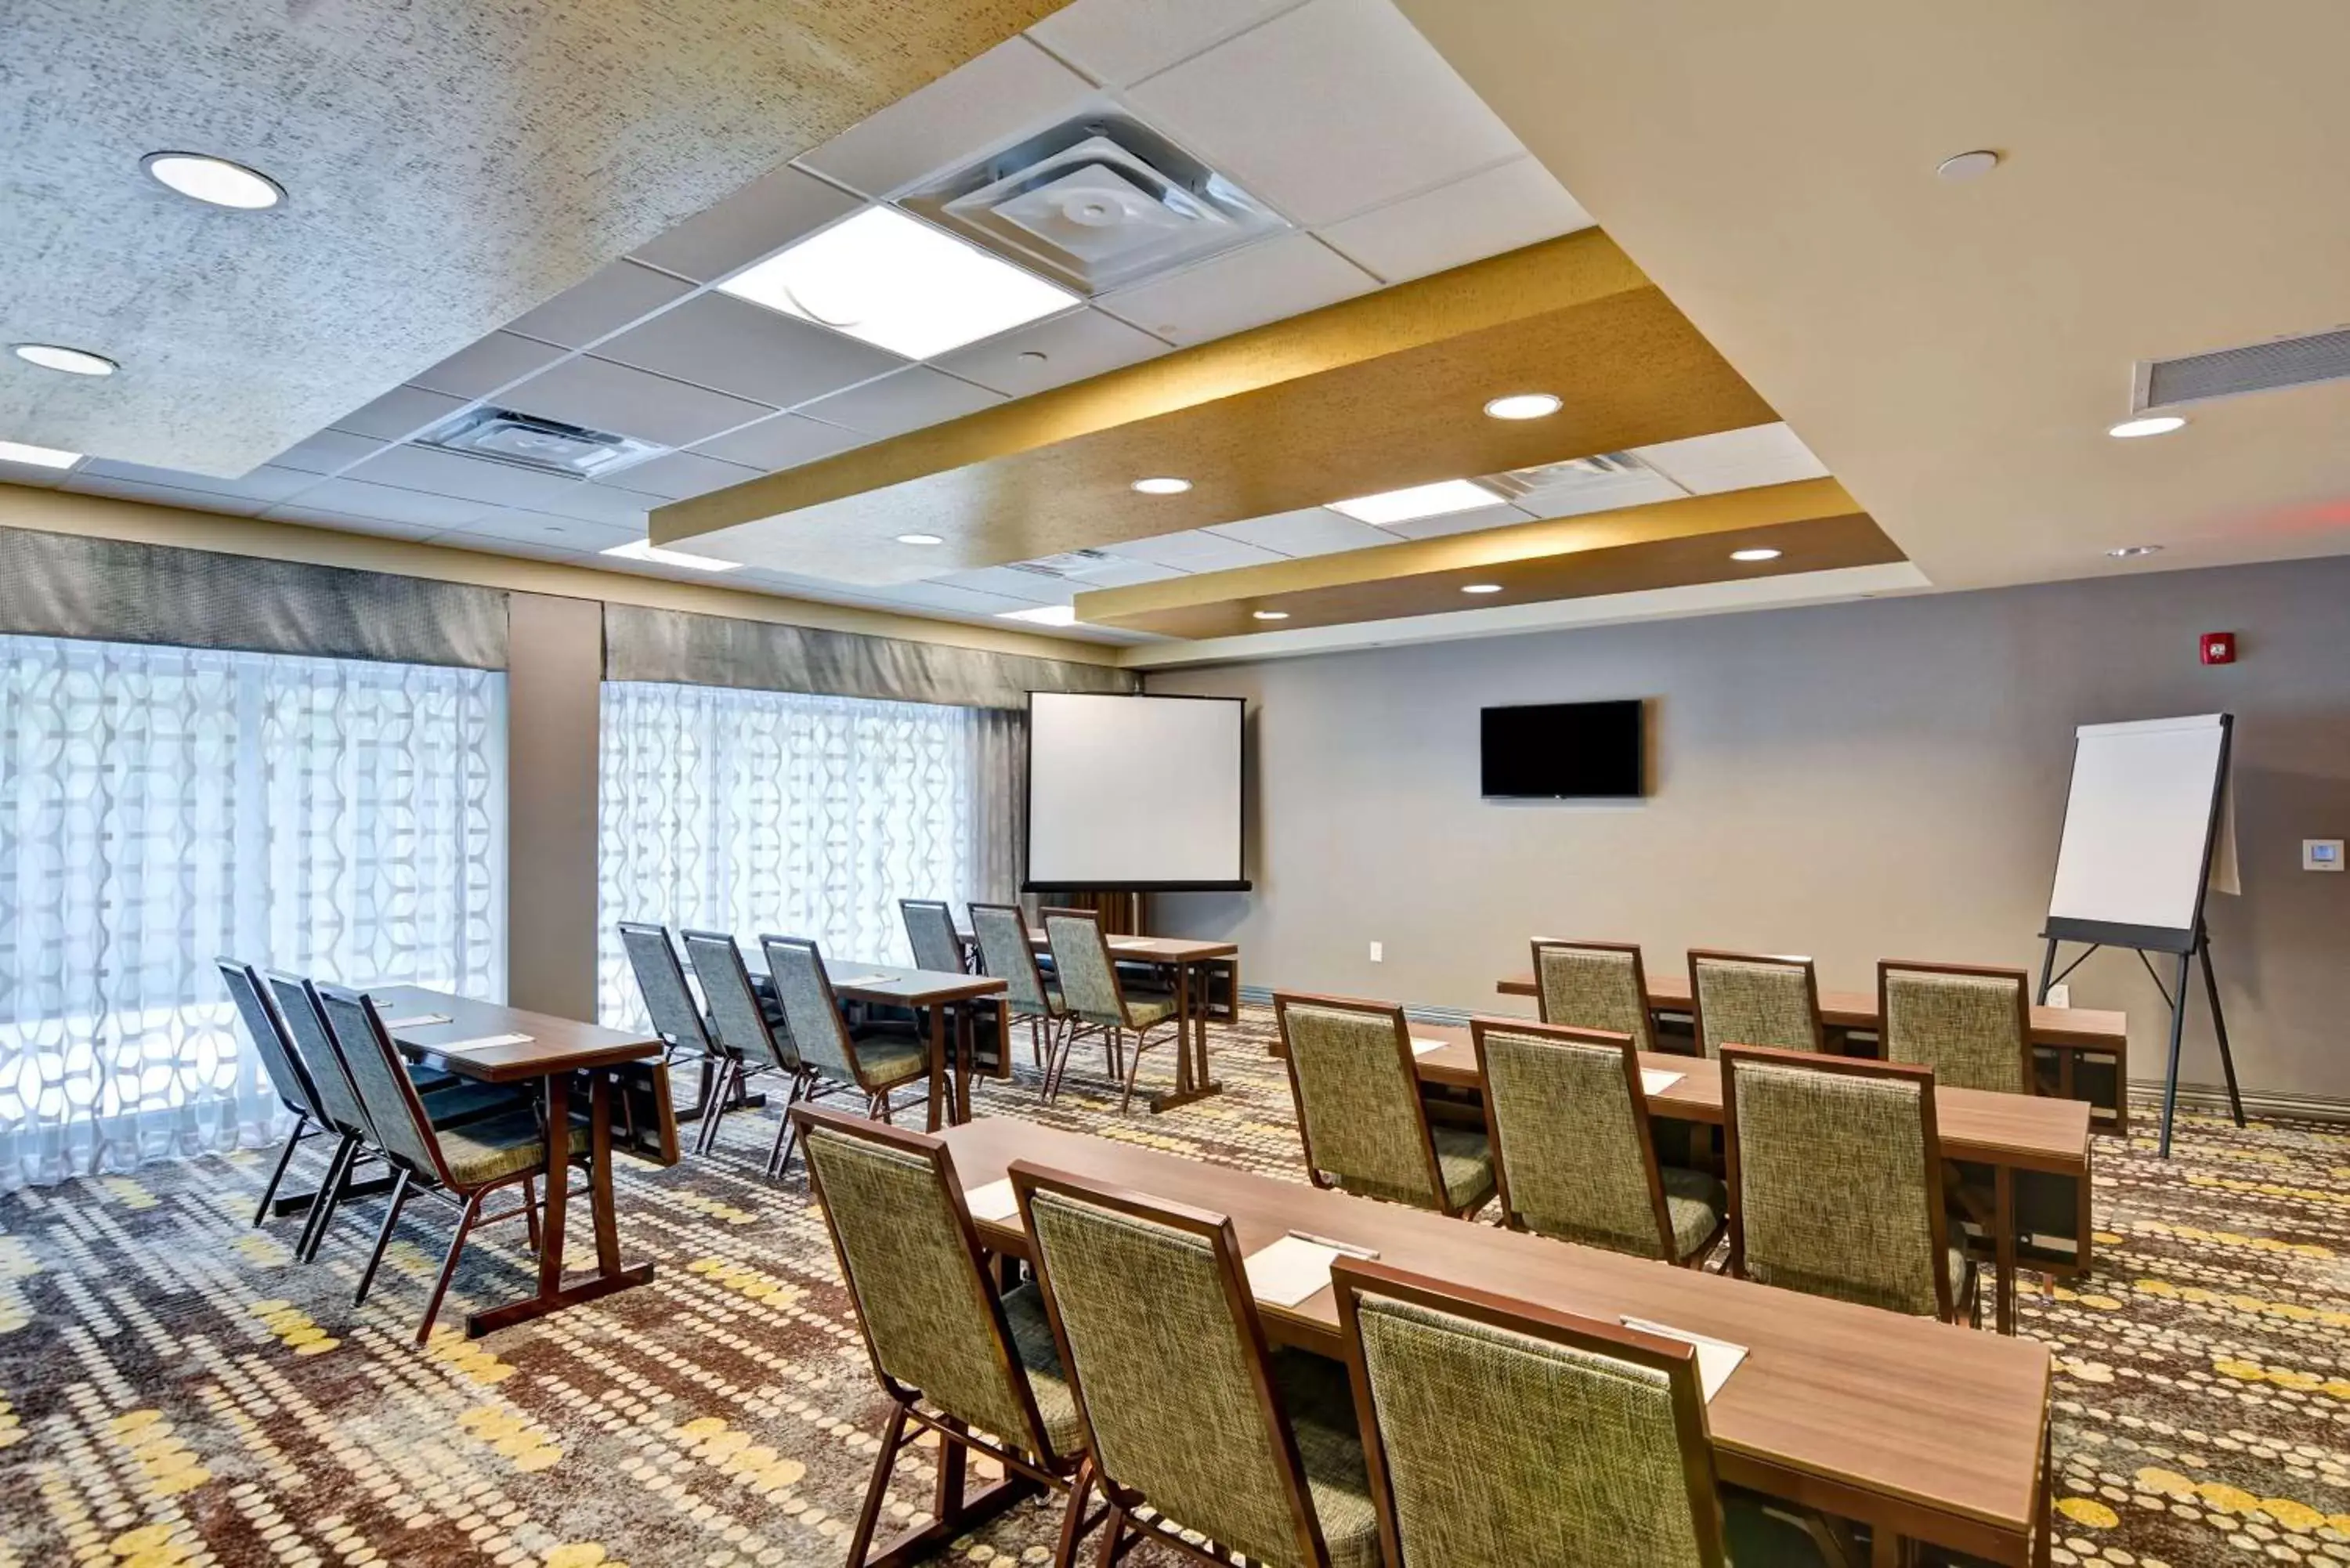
(610, 1275)
(966, 1050)
(1191, 1081)
(2003, 1210)
(939, 1089)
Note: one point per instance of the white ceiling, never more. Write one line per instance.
(1333, 112)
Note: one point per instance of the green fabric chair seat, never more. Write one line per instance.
(889, 1055)
(1147, 1007)
(1032, 1336)
(1321, 1405)
(1054, 1005)
(1695, 1203)
(463, 1103)
(482, 1152)
(1464, 1158)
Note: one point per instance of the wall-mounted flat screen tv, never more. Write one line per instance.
(1564, 751)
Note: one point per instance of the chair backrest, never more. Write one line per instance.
(933, 1324)
(1081, 961)
(305, 1027)
(1569, 1121)
(1358, 1097)
(1499, 1431)
(661, 981)
(931, 928)
(268, 1031)
(402, 1128)
(742, 1024)
(1004, 951)
(1836, 1179)
(1972, 1027)
(1593, 985)
(1158, 1336)
(1755, 999)
(811, 1011)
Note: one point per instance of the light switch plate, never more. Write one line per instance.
(2321, 855)
(1379, 952)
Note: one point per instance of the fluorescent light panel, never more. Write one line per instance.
(1044, 615)
(898, 284)
(646, 550)
(36, 456)
(1438, 499)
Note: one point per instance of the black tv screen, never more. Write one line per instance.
(1564, 751)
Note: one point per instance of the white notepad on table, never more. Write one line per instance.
(1422, 1047)
(994, 1202)
(1716, 1358)
(864, 980)
(1653, 1082)
(1290, 1271)
(481, 1043)
(417, 1021)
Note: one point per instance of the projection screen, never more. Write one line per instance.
(1135, 793)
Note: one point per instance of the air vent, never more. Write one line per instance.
(526, 441)
(1575, 473)
(1097, 202)
(2232, 373)
(1069, 566)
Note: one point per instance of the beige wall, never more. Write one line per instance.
(1879, 779)
(554, 668)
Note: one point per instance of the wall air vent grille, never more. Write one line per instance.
(526, 441)
(2255, 367)
(1073, 565)
(1098, 203)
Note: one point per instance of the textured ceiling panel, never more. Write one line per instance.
(449, 164)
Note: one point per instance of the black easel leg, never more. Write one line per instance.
(2177, 1030)
(2219, 1028)
(2047, 972)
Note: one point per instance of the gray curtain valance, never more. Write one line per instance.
(681, 648)
(114, 590)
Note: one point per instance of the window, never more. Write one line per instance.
(162, 807)
(753, 812)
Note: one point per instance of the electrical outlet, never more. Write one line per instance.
(1379, 952)
(2060, 996)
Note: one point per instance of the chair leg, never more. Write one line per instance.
(1073, 1523)
(1111, 1535)
(708, 1140)
(331, 1193)
(861, 1544)
(285, 1158)
(465, 1217)
(382, 1238)
(530, 1211)
(780, 1158)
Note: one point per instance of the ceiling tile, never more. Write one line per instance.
(600, 504)
(348, 523)
(390, 504)
(717, 340)
(1009, 582)
(552, 548)
(607, 397)
(678, 475)
(950, 596)
(1122, 41)
(1328, 109)
(265, 485)
(467, 478)
(1518, 204)
(907, 401)
(398, 415)
(1458, 523)
(763, 216)
(784, 441)
(1268, 281)
(85, 483)
(327, 451)
(478, 371)
(1195, 551)
(1572, 494)
(1734, 459)
(607, 302)
(1014, 87)
(1316, 531)
(1072, 347)
(547, 532)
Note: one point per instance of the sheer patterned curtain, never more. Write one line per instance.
(753, 812)
(160, 806)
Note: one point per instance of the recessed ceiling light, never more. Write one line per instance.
(36, 456)
(1271, 615)
(920, 539)
(1164, 485)
(2152, 424)
(1967, 166)
(898, 284)
(1523, 406)
(1044, 615)
(72, 361)
(2131, 552)
(1757, 553)
(646, 550)
(1481, 587)
(214, 180)
(1446, 495)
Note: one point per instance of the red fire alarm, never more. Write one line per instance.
(2218, 648)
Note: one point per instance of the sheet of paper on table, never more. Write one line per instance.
(1289, 1270)
(416, 1021)
(481, 1043)
(992, 1201)
(1422, 1047)
(1716, 1358)
(1652, 1082)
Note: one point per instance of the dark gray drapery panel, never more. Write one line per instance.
(685, 649)
(115, 590)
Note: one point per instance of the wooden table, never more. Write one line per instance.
(1193, 968)
(939, 997)
(2062, 1035)
(2010, 1134)
(557, 1049)
(1915, 1427)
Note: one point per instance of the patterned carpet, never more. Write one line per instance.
(174, 1390)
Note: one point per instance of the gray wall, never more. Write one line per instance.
(555, 663)
(1879, 779)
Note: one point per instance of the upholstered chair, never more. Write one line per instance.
(1100, 1002)
(1005, 952)
(1972, 1027)
(1593, 985)
(876, 1058)
(1755, 999)
(1359, 1114)
(268, 1031)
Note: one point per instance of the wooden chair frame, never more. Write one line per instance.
(2020, 980)
(877, 1101)
(356, 1142)
(953, 1511)
(1640, 981)
(1770, 960)
(1076, 1027)
(1283, 1001)
(1043, 1027)
(682, 1039)
(1029, 1179)
(736, 1067)
(1478, 1028)
(1351, 1280)
(1937, 1221)
(906, 914)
